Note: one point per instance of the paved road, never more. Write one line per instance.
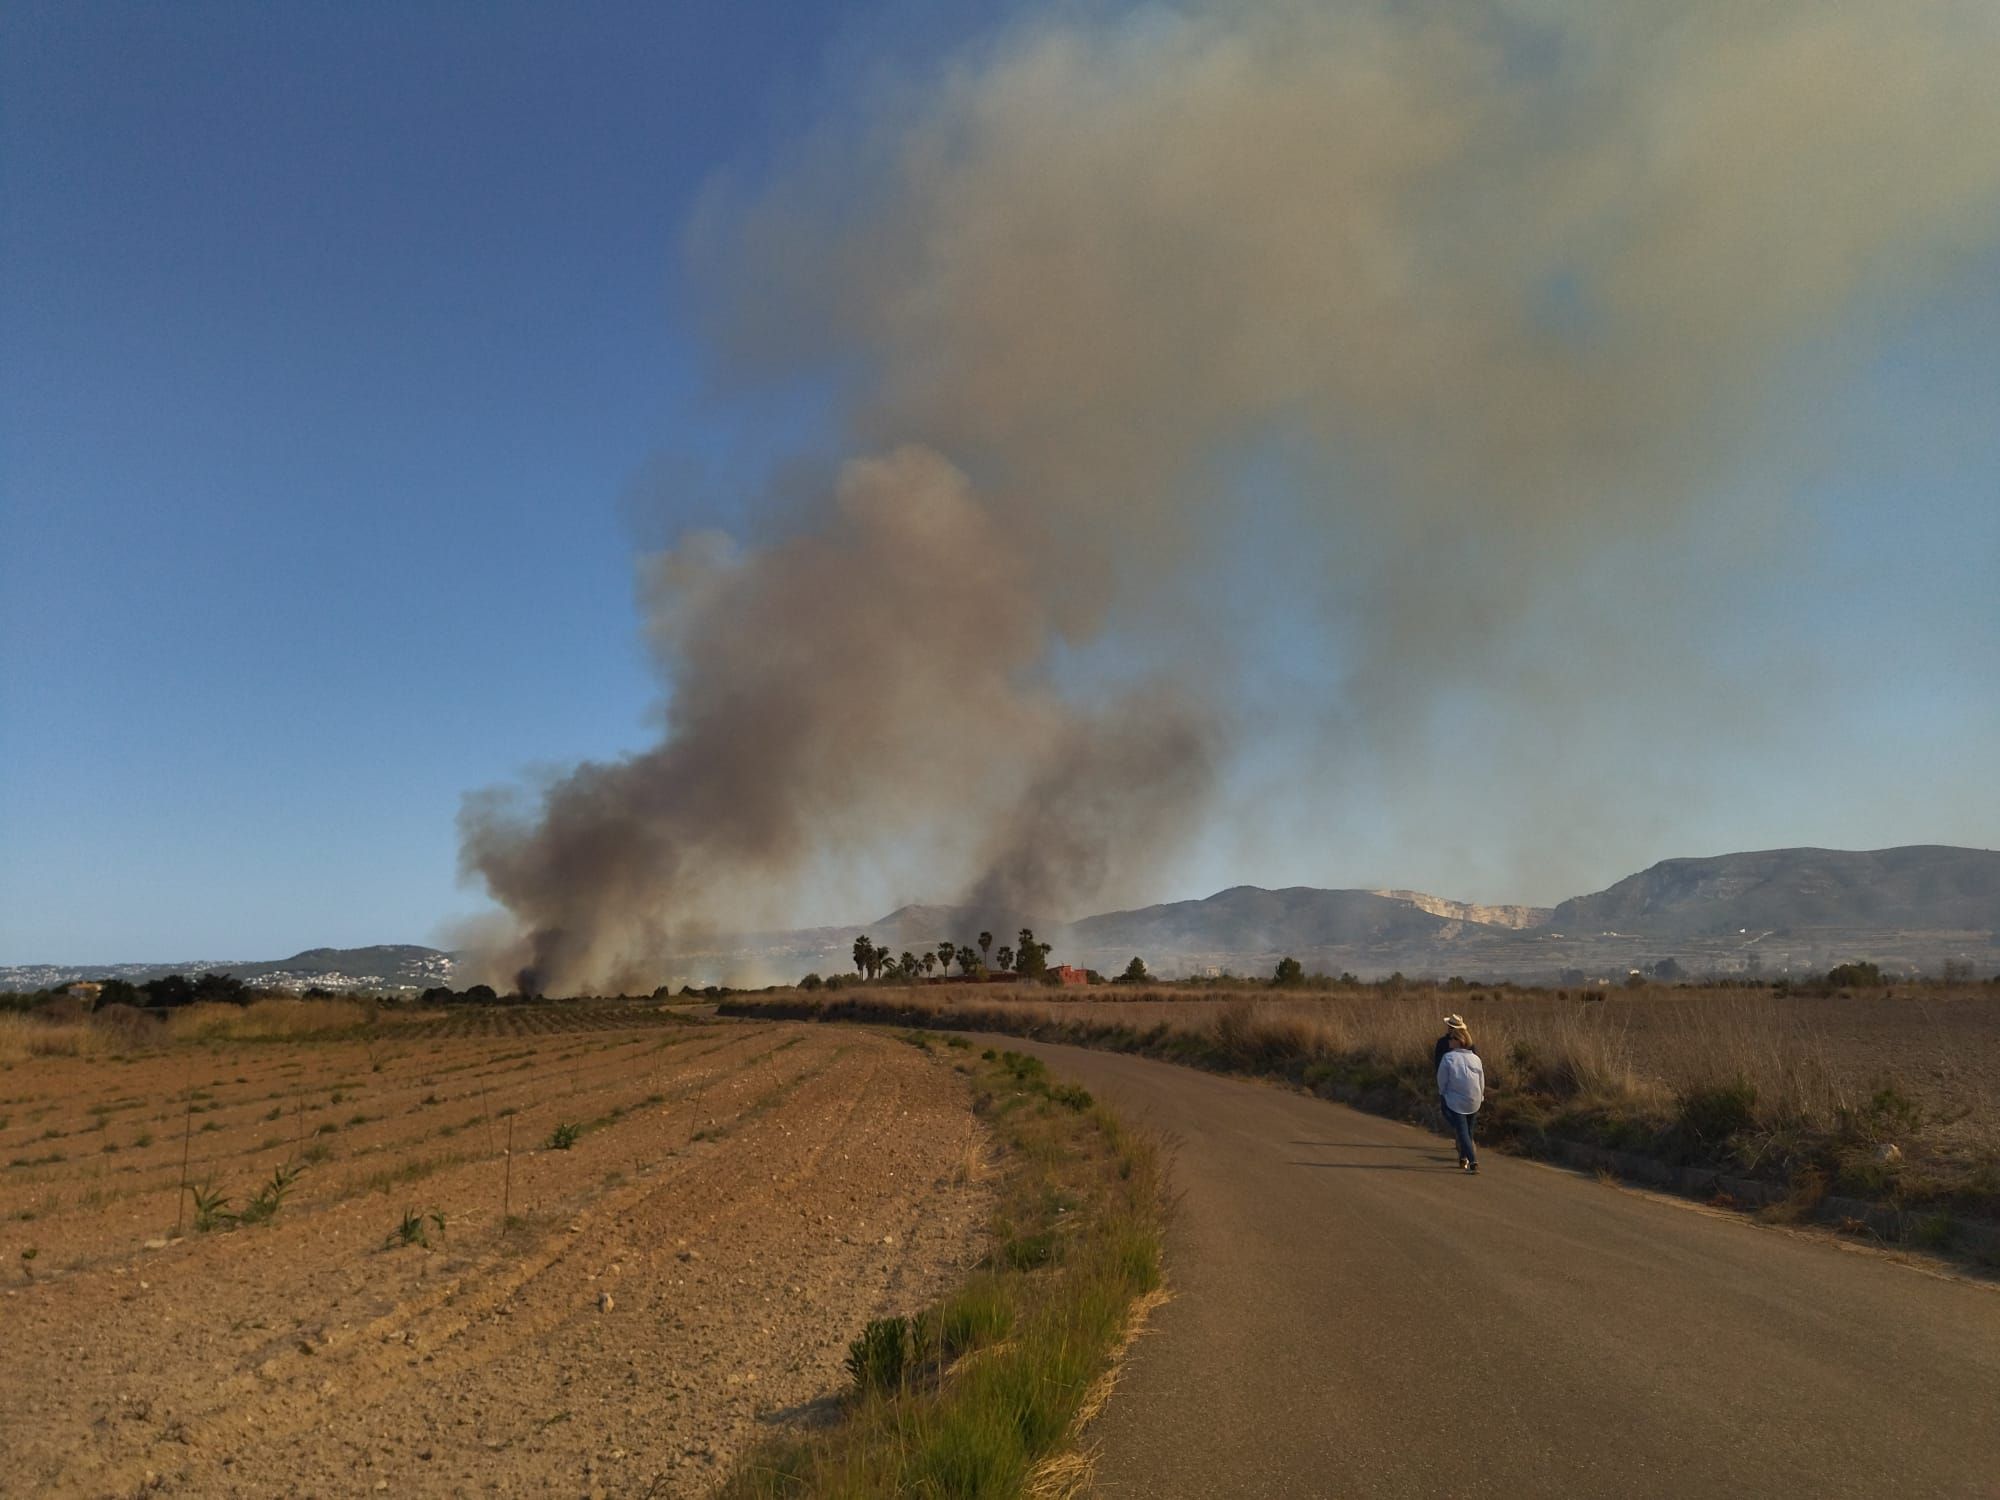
(1352, 1316)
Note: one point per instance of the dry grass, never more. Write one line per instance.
(26, 1036)
(1810, 1062)
(119, 1029)
(264, 1020)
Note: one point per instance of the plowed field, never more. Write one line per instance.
(620, 1317)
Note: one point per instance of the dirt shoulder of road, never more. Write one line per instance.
(621, 1317)
(986, 1392)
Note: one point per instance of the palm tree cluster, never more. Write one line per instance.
(1027, 958)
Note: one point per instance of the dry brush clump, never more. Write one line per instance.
(51, 1032)
(122, 1028)
(26, 1036)
(265, 1020)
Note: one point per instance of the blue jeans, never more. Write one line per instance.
(1461, 1126)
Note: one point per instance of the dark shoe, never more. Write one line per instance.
(1472, 1167)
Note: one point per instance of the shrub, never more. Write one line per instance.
(264, 1207)
(1711, 1113)
(1075, 1095)
(1024, 1069)
(211, 1208)
(877, 1359)
(414, 1229)
(168, 990)
(562, 1137)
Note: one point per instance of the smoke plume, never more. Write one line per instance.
(1471, 292)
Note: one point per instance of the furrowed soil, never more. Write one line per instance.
(741, 1200)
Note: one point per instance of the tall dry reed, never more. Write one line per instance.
(26, 1036)
(265, 1019)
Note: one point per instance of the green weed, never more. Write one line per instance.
(269, 1198)
(415, 1228)
(211, 1208)
(562, 1137)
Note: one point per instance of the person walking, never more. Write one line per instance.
(1461, 1090)
(1454, 1026)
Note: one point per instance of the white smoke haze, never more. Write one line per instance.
(1500, 286)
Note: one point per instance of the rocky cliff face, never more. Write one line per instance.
(1516, 918)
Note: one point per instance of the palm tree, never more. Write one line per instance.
(985, 942)
(946, 952)
(1005, 958)
(930, 963)
(864, 955)
(966, 959)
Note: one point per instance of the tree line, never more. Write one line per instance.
(1027, 958)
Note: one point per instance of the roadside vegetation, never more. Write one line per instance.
(981, 1394)
(1774, 1088)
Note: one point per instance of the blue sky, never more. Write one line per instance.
(334, 337)
(347, 360)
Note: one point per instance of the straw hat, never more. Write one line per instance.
(1456, 1023)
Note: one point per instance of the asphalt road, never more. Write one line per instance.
(1353, 1316)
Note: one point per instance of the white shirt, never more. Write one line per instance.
(1462, 1081)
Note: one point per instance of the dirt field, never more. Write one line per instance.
(741, 1200)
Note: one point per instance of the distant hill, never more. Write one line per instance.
(1927, 887)
(1249, 919)
(387, 966)
(393, 965)
(1771, 912)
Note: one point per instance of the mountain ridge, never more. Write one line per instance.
(1758, 911)
(1939, 887)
